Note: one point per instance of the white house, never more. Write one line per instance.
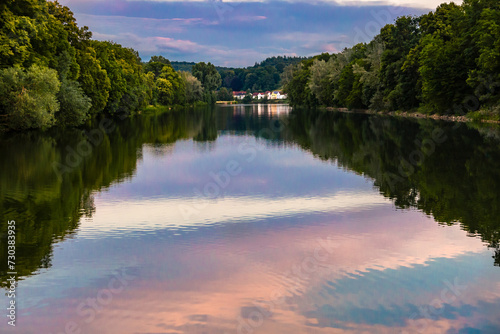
(240, 95)
(282, 96)
(277, 95)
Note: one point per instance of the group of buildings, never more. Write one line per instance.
(274, 95)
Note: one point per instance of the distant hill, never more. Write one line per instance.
(182, 65)
(263, 76)
(187, 66)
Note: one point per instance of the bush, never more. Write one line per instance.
(247, 99)
(74, 104)
(28, 98)
(225, 94)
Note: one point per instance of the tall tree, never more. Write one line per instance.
(193, 88)
(401, 86)
(210, 80)
(207, 74)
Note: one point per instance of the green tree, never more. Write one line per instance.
(159, 59)
(178, 87)
(485, 77)
(324, 77)
(77, 37)
(128, 92)
(28, 98)
(349, 92)
(165, 91)
(444, 67)
(207, 74)
(93, 79)
(193, 88)
(401, 87)
(295, 80)
(247, 99)
(154, 67)
(225, 94)
(74, 104)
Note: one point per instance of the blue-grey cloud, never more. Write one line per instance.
(234, 34)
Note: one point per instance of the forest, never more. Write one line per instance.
(443, 62)
(53, 73)
(263, 76)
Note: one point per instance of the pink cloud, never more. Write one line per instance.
(248, 18)
(330, 48)
(176, 44)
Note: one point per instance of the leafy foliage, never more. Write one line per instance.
(207, 74)
(74, 104)
(263, 76)
(447, 61)
(29, 97)
(225, 94)
(193, 88)
(39, 41)
(210, 80)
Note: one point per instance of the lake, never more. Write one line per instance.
(252, 219)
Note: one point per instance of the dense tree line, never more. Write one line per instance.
(53, 73)
(446, 61)
(263, 76)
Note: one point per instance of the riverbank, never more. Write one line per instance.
(255, 102)
(479, 116)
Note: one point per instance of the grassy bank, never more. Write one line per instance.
(484, 116)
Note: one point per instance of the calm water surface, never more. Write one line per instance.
(254, 220)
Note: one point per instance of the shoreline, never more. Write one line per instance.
(407, 114)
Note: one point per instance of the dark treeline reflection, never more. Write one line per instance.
(46, 207)
(456, 179)
(455, 182)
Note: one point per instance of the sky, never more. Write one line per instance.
(239, 34)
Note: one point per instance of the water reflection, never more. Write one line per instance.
(255, 219)
(266, 110)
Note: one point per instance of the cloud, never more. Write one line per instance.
(178, 49)
(331, 48)
(431, 4)
(234, 33)
(248, 18)
(154, 43)
(144, 25)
